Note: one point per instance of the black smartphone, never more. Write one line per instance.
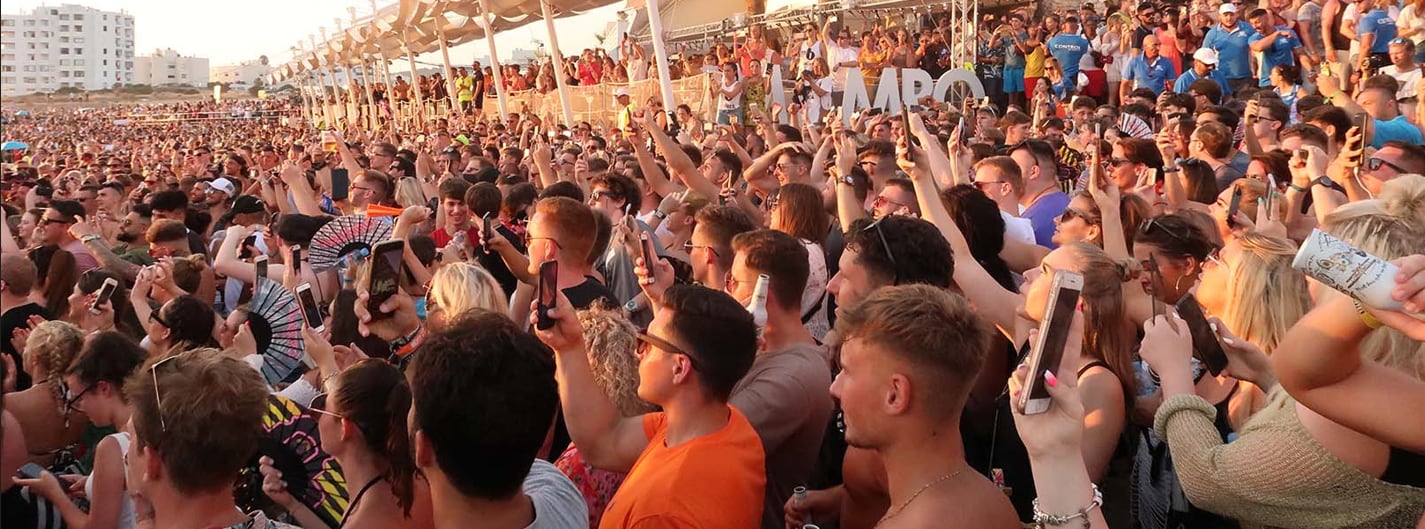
(105, 292)
(910, 139)
(1233, 207)
(487, 230)
(964, 132)
(648, 254)
(311, 311)
(1048, 348)
(259, 271)
(296, 263)
(548, 288)
(341, 184)
(383, 275)
(1205, 345)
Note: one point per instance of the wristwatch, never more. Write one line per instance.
(660, 214)
(631, 306)
(89, 238)
(1172, 169)
(848, 180)
(1292, 185)
(1324, 181)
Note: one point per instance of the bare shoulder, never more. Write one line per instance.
(971, 503)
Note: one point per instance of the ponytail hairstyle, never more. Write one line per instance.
(374, 395)
(109, 356)
(1111, 336)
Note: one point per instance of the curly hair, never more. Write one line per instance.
(611, 341)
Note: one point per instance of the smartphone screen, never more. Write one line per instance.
(648, 254)
(910, 139)
(105, 292)
(384, 275)
(1048, 349)
(259, 269)
(296, 263)
(1233, 207)
(341, 184)
(548, 286)
(311, 312)
(1205, 346)
(487, 230)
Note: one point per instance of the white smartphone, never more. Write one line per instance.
(1048, 349)
(105, 292)
(311, 312)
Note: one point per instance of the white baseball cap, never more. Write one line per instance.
(1206, 55)
(1227, 8)
(620, 92)
(224, 185)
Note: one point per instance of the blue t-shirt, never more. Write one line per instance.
(1068, 49)
(1380, 23)
(1154, 74)
(1280, 52)
(1041, 215)
(1184, 82)
(1231, 48)
(1397, 129)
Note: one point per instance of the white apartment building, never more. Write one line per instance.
(68, 45)
(244, 73)
(169, 68)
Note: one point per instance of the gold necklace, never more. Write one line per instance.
(896, 512)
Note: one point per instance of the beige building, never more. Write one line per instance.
(169, 68)
(244, 73)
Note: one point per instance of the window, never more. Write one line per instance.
(79, 16)
(64, 62)
(106, 62)
(64, 74)
(79, 73)
(64, 28)
(64, 16)
(106, 29)
(79, 40)
(79, 62)
(64, 40)
(78, 27)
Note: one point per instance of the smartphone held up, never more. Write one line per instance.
(1047, 351)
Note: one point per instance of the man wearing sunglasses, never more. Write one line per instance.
(1393, 159)
(697, 460)
(710, 246)
(54, 231)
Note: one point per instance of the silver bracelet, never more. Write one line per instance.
(1054, 520)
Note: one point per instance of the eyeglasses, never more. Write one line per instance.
(1375, 163)
(528, 240)
(880, 234)
(645, 339)
(1215, 257)
(158, 395)
(46, 221)
(1071, 214)
(1149, 224)
(864, 163)
(1115, 162)
(881, 201)
(982, 185)
(598, 194)
(69, 404)
(154, 316)
(689, 246)
(319, 405)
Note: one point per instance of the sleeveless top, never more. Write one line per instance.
(1338, 41)
(1290, 99)
(126, 511)
(728, 103)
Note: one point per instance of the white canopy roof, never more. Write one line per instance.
(419, 25)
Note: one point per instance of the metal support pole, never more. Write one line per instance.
(558, 58)
(495, 59)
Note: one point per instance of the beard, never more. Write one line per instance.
(126, 237)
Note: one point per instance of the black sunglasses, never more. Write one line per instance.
(880, 234)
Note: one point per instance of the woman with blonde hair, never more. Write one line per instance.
(459, 287)
(1291, 465)
(45, 411)
(409, 192)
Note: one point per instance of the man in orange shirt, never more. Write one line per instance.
(698, 463)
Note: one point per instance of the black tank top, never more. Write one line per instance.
(1339, 41)
(1404, 468)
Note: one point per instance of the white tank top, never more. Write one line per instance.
(126, 511)
(723, 103)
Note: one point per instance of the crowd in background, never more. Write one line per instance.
(764, 315)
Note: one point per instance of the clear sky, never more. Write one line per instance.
(232, 31)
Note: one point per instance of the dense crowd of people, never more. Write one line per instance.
(758, 317)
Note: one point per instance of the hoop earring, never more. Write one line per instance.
(1178, 285)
